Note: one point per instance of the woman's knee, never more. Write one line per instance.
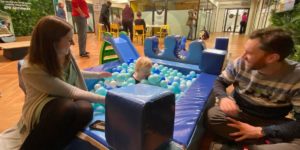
(84, 111)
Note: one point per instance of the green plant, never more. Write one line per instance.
(290, 20)
(24, 20)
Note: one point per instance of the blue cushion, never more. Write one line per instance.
(212, 61)
(222, 43)
(133, 111)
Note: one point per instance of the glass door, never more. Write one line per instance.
(233, 18)
(230, 20)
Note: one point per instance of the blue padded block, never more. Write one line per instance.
(190, 108)
(222, 43)
(194, 55)
(212, 61)
(170, 47)
(183, 67)
(133, 110)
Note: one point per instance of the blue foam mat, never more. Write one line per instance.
(182, 67)
(190, 108)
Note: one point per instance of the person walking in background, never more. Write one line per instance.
(243, 23)
(80, 13)
(60, 12)
(104, 15)
(191, 24)
(127, 20)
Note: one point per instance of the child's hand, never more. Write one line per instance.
(104, 74)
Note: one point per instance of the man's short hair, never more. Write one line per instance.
(275, 40)
(109, 3)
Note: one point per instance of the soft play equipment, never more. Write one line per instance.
(213, 60)
(123, 47)
(135, 112)
(222, 43)
(172, 45)
(107, 53)
(122, 111)
(193, 59)
(180, 51)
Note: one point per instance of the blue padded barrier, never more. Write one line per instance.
(190, 108)
(170, 47)
(151, 47)
(134, 112)
(222, 43)
(172, 43)
(212, 61)
(182, 67)
(194, 55)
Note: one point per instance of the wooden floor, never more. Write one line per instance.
(12, 98)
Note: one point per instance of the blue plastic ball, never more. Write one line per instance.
(131, 80)
(193, 74)
(144, 81)
(156, 71)
(101, 91)
(130, 60)
(114, 75)
(124, 65)
(114, 70)
(119, 67)
(163, 83)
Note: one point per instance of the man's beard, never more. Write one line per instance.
(256, 66)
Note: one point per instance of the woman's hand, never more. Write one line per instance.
(104, 74)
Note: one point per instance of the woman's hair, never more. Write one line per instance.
(143, 62)
(46, 34)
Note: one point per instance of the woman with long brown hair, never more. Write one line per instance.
(57, 103)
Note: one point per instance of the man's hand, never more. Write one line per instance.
(246, 131)
(229, 107)
(104, 74)
(83, 15)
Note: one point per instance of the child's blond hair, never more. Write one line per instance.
(143, 62)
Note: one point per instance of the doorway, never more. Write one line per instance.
(233, 18)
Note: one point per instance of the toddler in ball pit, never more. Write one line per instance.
(142, 69)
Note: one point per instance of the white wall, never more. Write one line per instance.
(147, 16)
(177, 21)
